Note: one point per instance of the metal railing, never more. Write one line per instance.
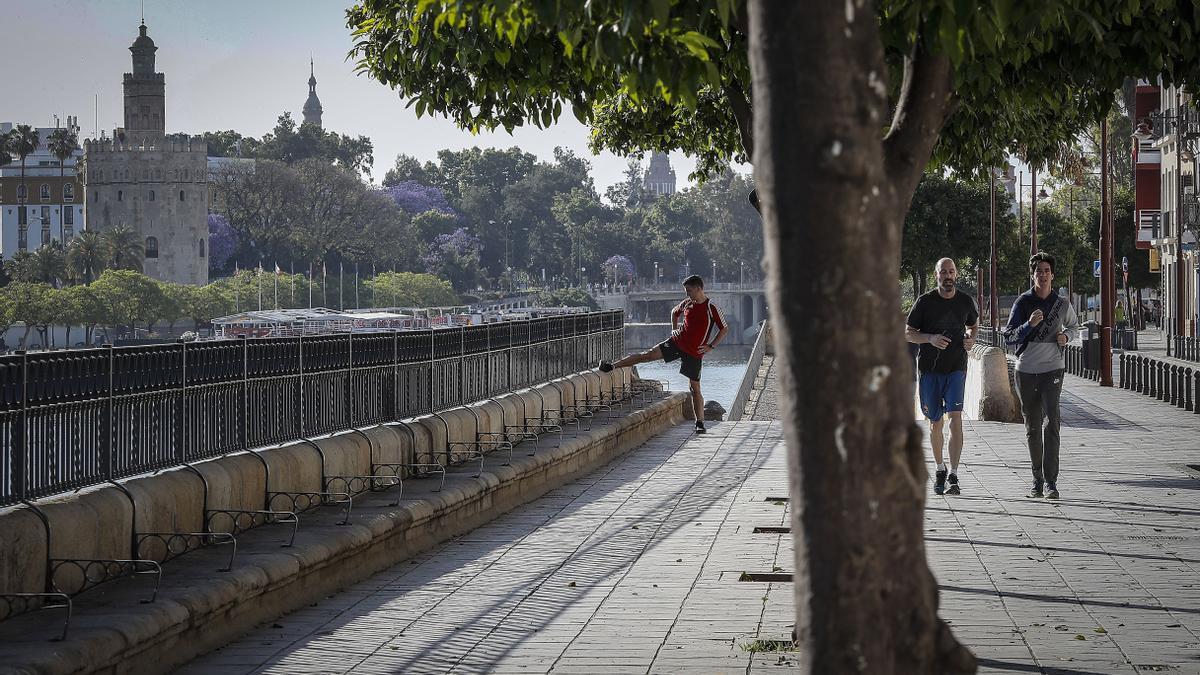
(1074, 359)
(1184, 347)
(1172, 383)
(70, 419)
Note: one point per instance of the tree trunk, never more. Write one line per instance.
(916, 279)
(835, 192)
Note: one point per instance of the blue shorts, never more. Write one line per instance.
(942, 393)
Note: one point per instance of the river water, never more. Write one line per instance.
(719, 380)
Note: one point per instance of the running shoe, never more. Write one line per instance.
(953, 489)
(1051, 491)
(939, 485)
(1036, 491)
(700, 428)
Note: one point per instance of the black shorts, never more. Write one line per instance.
(689, 366)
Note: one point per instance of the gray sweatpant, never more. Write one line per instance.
(1039, 394)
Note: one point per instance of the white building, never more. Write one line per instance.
(45, 206)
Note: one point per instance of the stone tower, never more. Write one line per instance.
(660, 177)
(158, 187)
(312, 107)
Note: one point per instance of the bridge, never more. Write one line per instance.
(743, 304)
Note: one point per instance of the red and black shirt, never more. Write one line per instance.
(701, 322)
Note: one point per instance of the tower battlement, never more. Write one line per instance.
(195, 145)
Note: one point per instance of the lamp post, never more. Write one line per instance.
(713, 281)
(1033, 246)
(742, 273)
(994, 298)
(1107, 285)
(655, 272)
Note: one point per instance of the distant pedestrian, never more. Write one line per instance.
(1039, 326)
(943, 322)
(696, 328)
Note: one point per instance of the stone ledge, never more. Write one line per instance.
(199, 609)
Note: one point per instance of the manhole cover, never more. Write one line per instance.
(772, 530)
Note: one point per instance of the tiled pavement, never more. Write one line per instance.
(634, 568)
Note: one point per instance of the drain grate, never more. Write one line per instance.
(765, 576)
(770, 529)
(777, 500)
(1194, 467)
(1156, 537)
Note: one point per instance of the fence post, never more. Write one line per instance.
(181, 428)
(1187, 389)
(244, 427)
(21, 433)
(300, 387)
(350, 380)
(395, 407)
(108, 417)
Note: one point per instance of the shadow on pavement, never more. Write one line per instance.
(1064, 601)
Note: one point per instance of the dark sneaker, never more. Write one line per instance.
(606, 367)
(1051, 491)
(700, 428)
(939, 485)
(1036, 491)
(953, 489)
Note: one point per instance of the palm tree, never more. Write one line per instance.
(62, 143)
(20, 267)
(85, 257)
(23, 140)
(5, 148)
(49, 264)
(122, 248)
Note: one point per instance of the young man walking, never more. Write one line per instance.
(696, 328)
(1038, 327)
(943, 322)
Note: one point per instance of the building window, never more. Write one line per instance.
(181, 195)
(97, 195)
(68, 232)
(152, 195)
(22, 194)
(68, 192)
(201, 248)
(22, 216)
(45, 233)
(151, 247)
(44, 192)
(120, 195)
(69, 215)
(22, 236)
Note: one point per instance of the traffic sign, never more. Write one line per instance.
(1096, 268)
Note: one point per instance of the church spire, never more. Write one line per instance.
(312, 107)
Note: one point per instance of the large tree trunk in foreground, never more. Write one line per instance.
(834, 195)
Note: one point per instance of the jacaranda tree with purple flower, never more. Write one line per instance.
(413, 197)
(455, 258)
(619, 268)
(222, 242)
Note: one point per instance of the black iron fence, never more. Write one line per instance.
(69, 419)
(1173, 383)
(1076, 357)
(1183, 347)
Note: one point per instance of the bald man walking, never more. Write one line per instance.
(943, 322)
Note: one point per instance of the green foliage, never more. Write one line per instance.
(128, 296)
(290, 143)
(407, 289)
(647, 76)
(567, 297)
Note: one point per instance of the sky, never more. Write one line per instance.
(237, 64)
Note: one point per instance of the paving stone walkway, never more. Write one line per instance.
(635, 568)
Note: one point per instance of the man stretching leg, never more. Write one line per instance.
(693, 322)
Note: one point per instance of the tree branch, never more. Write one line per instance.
(743, 114)
(925, 101)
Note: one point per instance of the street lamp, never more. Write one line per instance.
(742, 273)
(713, 281)
(656, 272)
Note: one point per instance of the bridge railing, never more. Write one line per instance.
(70, 419)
